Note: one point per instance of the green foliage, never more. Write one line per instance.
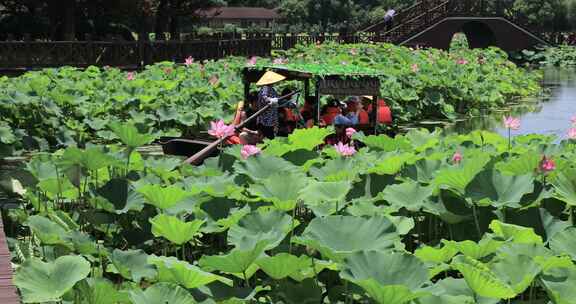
(71, 107)
(489, 229)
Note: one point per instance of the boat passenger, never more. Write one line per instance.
(330, 112)
(383, 114)
(354, 105)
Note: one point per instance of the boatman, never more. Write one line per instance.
(267, 122)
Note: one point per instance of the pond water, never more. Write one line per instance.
(548, 114)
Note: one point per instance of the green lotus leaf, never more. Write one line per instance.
(163, 197)
(517, 234)
(132, 264)
(559, 284)
(338, 236)
(517, 270)
(478, 250)
(454, 291)
(334, 170)
(257, 226)
(385, 268)
(264, 166)
(550, 262)
(172, 270)
(481, 279)
(458, 178)
(388, 277)
(525, 164)
(283, 265)
(46, 282)
(564, 242)
(564, 183)
(305, 292)
(387, 144)
(235, 262)
(6, 135)
(281, 188)
(391, 164)
(436, 255)
(409, 195)
(324, 198)
(93, 158)
(162, 293)
(47, 231)
(101, 291)
(490, 187)
(129, 134)
(424, 170)
(308, 139)
(173, 229)
(122, 196)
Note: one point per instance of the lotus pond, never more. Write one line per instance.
(56, 108)
(419, 218)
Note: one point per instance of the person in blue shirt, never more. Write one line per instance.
(346, 118)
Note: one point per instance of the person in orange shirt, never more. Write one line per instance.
(331, 111)
(383, 114)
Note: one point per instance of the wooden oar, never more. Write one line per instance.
(202, 154)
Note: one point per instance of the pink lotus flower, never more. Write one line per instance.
(511, 123)
(345, 149)
(415, 68)
(280, 61)
(226, 65)
(252, 61)
(168, 70)
(572, 133)
(353, 52)
(547, 164)
(189, 61)
(462, 61)
(213, 80)
(249, 150)
(481, 60)
(219, 129)
(350, 132)
(131, 76)
(457, 158)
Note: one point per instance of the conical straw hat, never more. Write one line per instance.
(368, 97)
(270, 78)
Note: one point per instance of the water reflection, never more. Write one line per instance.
(548, 114)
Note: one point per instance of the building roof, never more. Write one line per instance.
(239, 13)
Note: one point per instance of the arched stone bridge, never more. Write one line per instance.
(433, 23)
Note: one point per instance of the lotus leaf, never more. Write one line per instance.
(564, 183)
(409, 195)
(559, 283)
(338, 236)
(283, 265)
(132, 264)
(179, 272)
(281, 188)
(173, 229)
(256, 227)
(388, 277)
(490, 187)
(163, 197)
(45, 282)
(564, 242)
(162, 293)
(517, 234)
(236, 261)
(129, 134)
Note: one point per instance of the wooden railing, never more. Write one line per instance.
(25, 55)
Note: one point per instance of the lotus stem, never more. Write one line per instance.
(531, 294)
(292, 229)
(476, 222)
(128, 160)
(509, 141)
